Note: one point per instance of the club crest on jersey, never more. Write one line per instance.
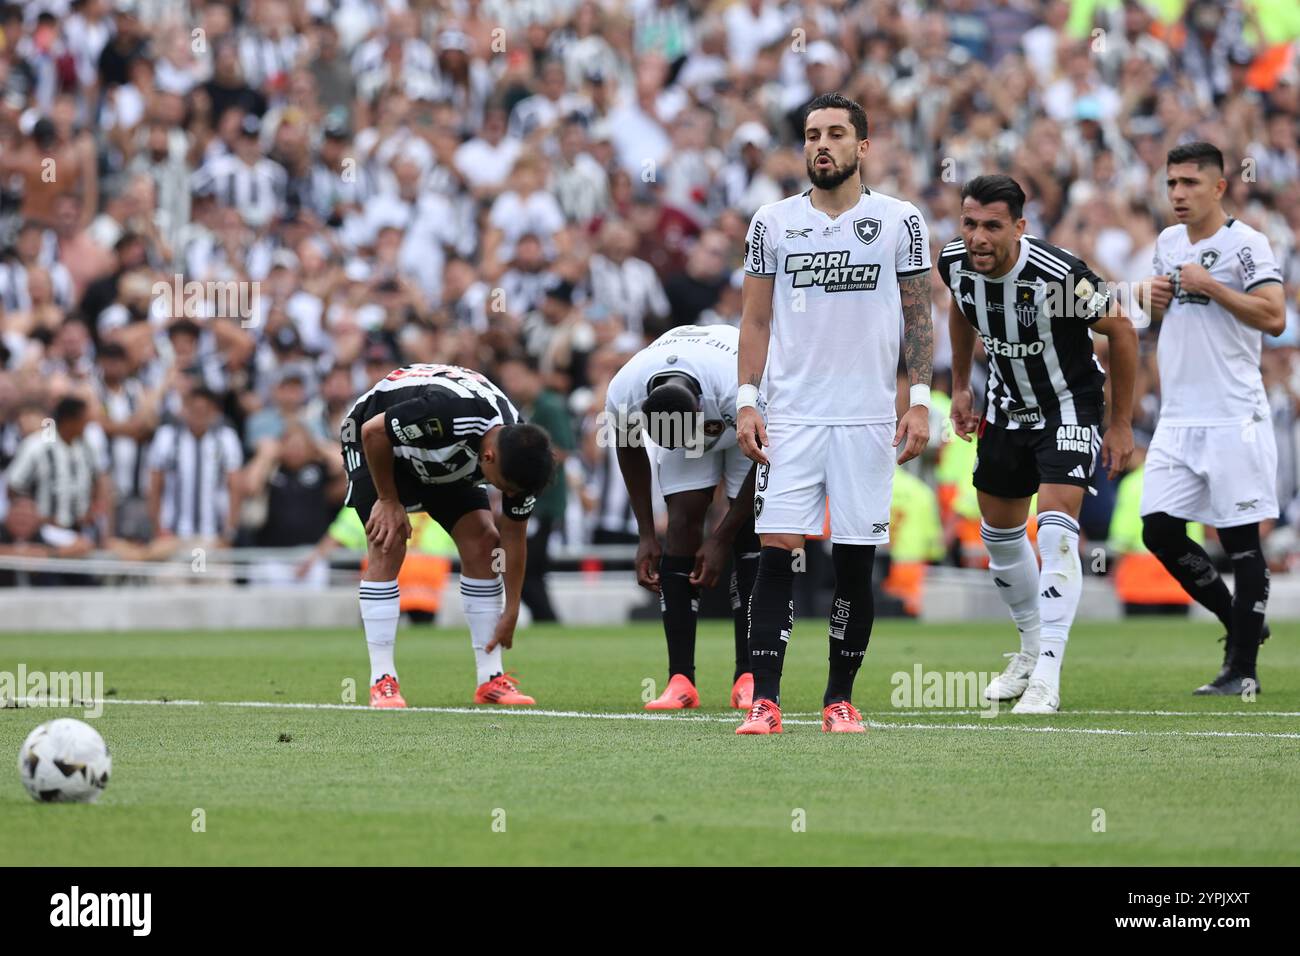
(1209, 257)
(1026, 304)
(798, 233)
(867, 229)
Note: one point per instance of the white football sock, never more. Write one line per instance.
(484, 599)
(380, 609)
(1013, 566)
(1060, 585)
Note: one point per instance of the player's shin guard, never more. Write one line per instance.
(380, 609)
(1060, 583)
(852, 614)
(1166, 537)
(1250, 598)
(771, 619)
(483, 599)
(679, 602)
(744, 561)
(1013, 566)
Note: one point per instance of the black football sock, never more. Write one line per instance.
(744, 568)
(852, 613)
(771, 619)
(679, 600)
(1250, 580)
(1166, 537)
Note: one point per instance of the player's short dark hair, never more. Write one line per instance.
(69, 408)
(987, 190)
(524, 451)
(1201, 153)
(838, 101)
(672, 397)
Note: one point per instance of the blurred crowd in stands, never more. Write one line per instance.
(222, 221)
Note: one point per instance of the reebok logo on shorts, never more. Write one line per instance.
(880, 527)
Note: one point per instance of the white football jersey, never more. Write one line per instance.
(707, 353)
(836, 310)
(1208, 359)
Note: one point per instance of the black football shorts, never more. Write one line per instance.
(445, 503)
(1013, 462)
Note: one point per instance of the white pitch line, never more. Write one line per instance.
(704, 718)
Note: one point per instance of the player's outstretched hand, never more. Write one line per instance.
(1116, 449)
(709, 562)
(388, 526)
(504, 635)
(648, 554)
(751, 434)
(913, 433)
(964, 420)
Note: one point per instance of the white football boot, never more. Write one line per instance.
(1011, 683)
(1040, 697)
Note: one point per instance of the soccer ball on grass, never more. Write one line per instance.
(64, 761)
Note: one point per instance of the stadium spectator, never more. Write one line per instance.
(60, 469)
(401, 186)
(195, 488)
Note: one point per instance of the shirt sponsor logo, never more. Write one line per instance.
(1025, 416)
(1247, 265)
(915, 242)
(1075, 438)
(1011, 349)
(832, 271)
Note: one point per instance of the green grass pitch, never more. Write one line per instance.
(1134, 771)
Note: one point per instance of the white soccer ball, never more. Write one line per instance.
(64, 761)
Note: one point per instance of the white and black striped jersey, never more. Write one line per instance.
(59, 475)
(436, 417)
(1034, 322)
(196, 472)
(258, 191)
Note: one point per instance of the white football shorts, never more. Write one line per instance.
(679, 471)
(1220, 475)
(853, 465)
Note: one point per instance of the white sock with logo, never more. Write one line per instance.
(1013, 566)
(1060, 585)
(380, 609)
(484, 599)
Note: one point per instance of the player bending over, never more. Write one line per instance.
(827, 274)
(1034, 305)
(1213, 458)
(426, 438)
(682, 386)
